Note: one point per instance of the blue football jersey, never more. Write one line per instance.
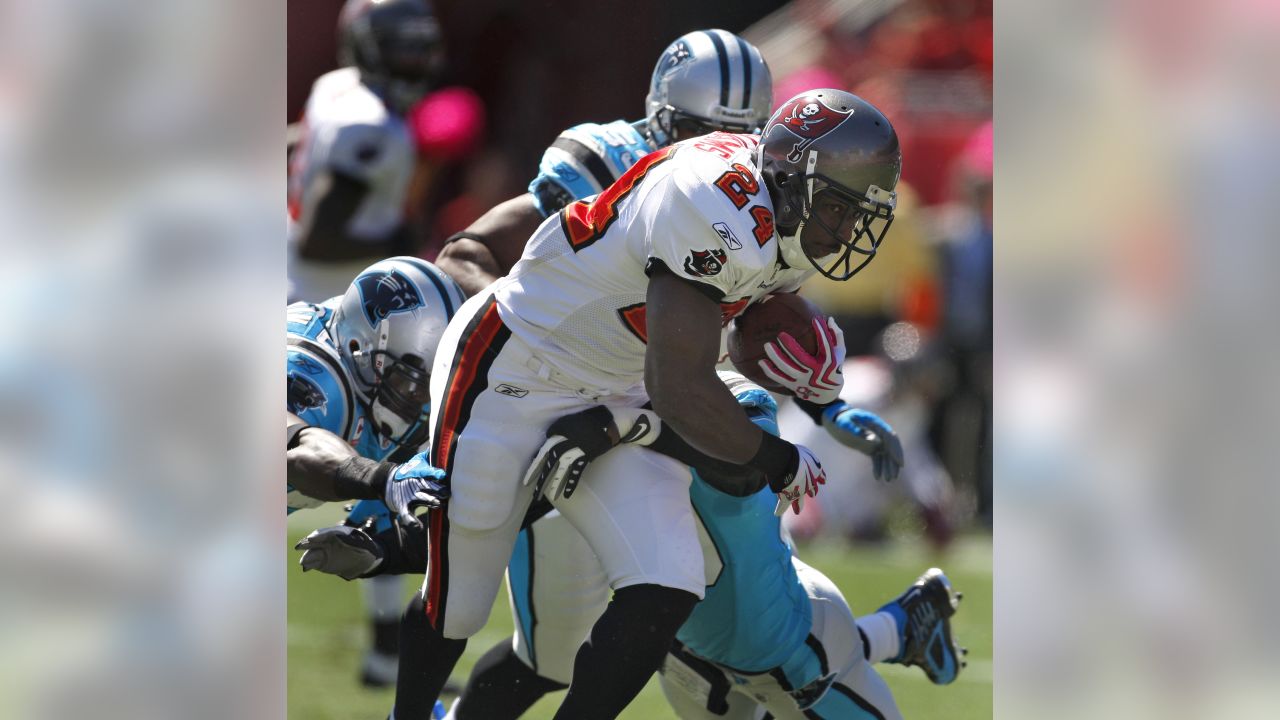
(586, 159)
(320, 391)
(755, 614)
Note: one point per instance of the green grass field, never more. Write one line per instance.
(327, 633)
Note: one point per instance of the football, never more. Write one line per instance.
(761, 323)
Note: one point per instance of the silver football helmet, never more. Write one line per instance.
(705, 81)
(831, 158)
(386, 328)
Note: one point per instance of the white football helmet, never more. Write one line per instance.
(705, 81)
(386, 328)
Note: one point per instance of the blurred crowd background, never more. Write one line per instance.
(918, 320)
(1136, 402)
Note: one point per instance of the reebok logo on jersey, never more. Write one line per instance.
(511, 391)
(705, 263)
(727, 236)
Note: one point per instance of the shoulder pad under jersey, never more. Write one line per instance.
(584, 160)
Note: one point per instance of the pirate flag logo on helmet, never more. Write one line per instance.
(808, 118)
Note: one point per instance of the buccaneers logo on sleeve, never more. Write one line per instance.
(703, 263)
(808, 118)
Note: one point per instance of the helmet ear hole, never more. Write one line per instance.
(785, 212)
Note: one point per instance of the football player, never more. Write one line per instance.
(357, 405)
(770, 626)
(364, 157)
(619, 302)
(771, 630)
(705, 81)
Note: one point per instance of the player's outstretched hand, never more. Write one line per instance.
(413, 485)
(347, 552)
(868, 434)
(801, 483)
(575, 440)
(817, 378)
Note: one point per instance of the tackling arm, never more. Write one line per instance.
(489, 248)
(323, 466)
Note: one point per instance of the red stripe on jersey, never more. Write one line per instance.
(731, 310)
(436, 571)
(584, 223)
(635, 317)
(464, 376)
(469, 368)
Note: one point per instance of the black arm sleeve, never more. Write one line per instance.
(727, 477)
(359, 478)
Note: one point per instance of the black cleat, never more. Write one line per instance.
(924, 613)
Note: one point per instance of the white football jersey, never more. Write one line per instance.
(577, 296)
(348, 129)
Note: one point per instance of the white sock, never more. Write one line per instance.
(881, 633)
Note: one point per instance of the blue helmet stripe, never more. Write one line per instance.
(724, 66)
(746, 73)
(430, 271)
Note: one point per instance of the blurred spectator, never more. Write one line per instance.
(486, 181)
(963, 432)
(928, 65)
(372, 145)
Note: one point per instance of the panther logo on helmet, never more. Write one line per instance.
(808, 118)
(384, 293)
(675, 56)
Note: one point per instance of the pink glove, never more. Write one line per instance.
(817, 379)
(809, 475)
(448, 124)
